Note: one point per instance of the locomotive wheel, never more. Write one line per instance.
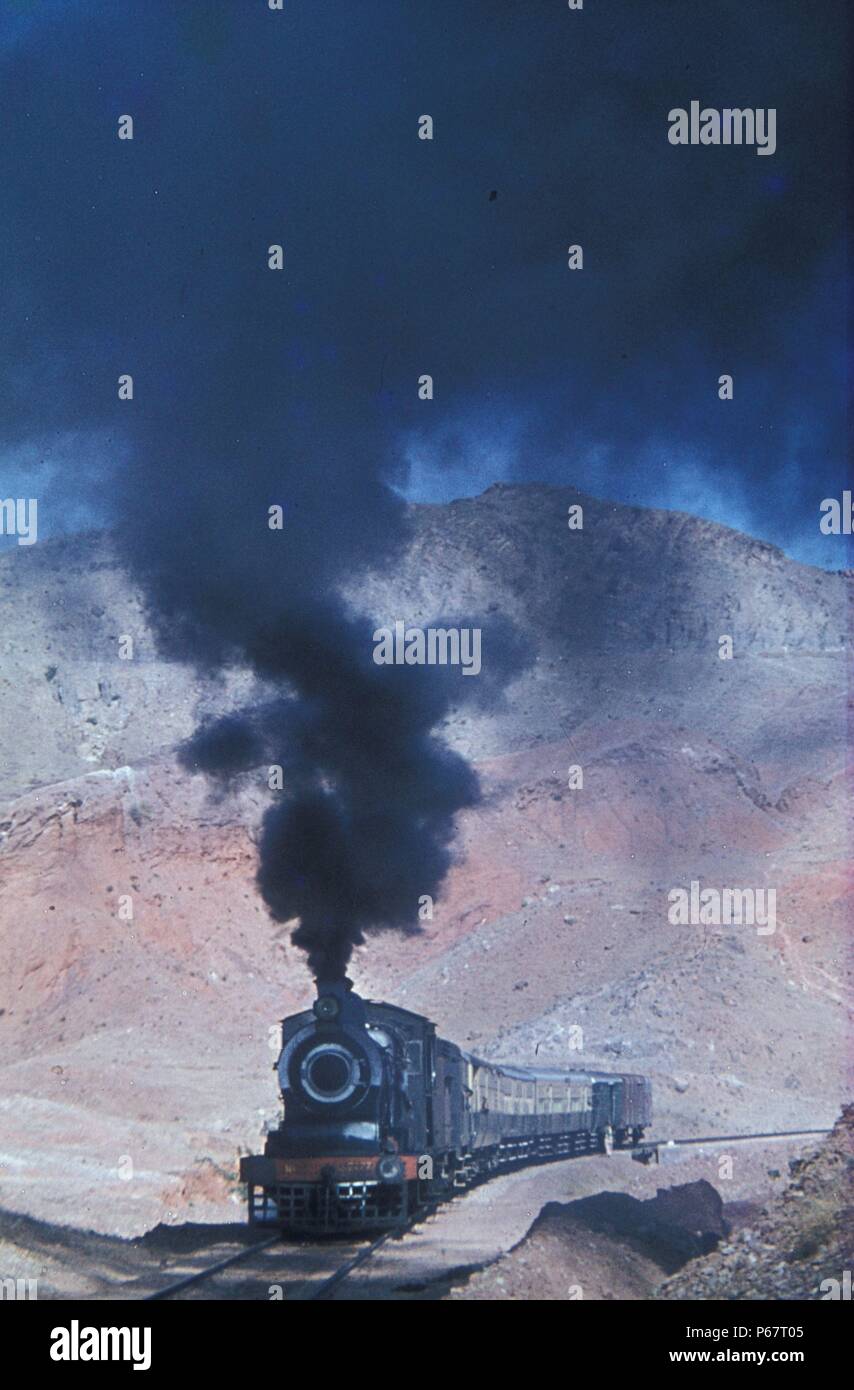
(607, 1140)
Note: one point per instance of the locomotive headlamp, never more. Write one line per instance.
(326, 1008)
(389, 1168)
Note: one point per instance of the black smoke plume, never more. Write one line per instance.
(252, 389)
(363, 826)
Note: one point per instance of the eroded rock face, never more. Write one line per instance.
(149, 1035)
(800, 1247)
(608, 1246)
(676, 1225)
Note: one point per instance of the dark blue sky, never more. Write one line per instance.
(300, 127)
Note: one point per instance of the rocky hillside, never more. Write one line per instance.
(657, 585)
(617, 1245)
(802, 1245)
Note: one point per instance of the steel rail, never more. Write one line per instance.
(205, 1273)
(732, 1138)
(396, 1232)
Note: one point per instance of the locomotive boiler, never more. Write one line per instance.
(382, 1116)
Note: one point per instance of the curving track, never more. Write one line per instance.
(314, 1270)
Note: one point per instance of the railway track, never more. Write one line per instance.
(311, 1283)
(302, 1272)
(650, 1149)
(314, 1284)
(198, 1276)
(341, 1273)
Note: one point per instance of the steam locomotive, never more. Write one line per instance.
(382, 1117)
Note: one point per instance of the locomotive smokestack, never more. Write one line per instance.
(337, 1002)
(326, 986)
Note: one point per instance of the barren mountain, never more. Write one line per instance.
(136, 1048)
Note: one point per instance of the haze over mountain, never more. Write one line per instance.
(150, 1039)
